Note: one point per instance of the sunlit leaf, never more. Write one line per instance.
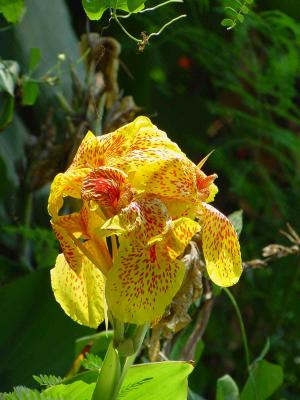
(9, 71)
(95, 8)
(264, 380)
(13, 10)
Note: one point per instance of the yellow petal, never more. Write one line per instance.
(174, 178)
(144, 218)
(63, 185)
(181, 232)
(90, 152)
(221, 247)
(142, 282)
(147, 143)
(213, 190)
(67, 244)
(81, 294)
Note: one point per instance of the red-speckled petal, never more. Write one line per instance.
(142, 282)
(68, 247)
(81, 293)
(178, 237)
(67, 184)
(175, 178)
(90, 153)
(221, 247)
(144, 219)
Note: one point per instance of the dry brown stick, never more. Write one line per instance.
(204, 313)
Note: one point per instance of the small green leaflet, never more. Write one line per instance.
(236, 218)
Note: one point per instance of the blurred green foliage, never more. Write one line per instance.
(234, 91)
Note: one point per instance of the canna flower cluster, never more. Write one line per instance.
(140, 201)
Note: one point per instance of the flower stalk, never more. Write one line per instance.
(119, 357)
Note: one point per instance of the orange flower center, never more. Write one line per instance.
(203, 182)
(108, 187)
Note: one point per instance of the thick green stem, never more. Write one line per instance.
(109, 375)
(120, 355)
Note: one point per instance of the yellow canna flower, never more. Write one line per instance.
(137, 184)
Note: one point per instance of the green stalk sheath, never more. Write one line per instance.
(116, 363)
(109, 375)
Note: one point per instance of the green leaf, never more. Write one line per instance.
(95, 8)
(34, 58)
(240, 17)
(227, 389)
(265, 380)
(7, 103)
(165, 380)
(194, 396)
(99, 343)
(47, 380)
(133, 5)
(228, 22)
(13, 10)
(91, 361)
(35, 333)
(236, 218)
(9, 71)
(30, 91)
(245, 9)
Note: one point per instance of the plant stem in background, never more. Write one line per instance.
(242, 326)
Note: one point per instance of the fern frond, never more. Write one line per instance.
(91, 362)
(47, 380)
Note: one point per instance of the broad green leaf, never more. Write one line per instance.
(30, 91)
(227, 389)
(36, 334)
(9, 71)
(6, 109)
(133, 5)
(95, 8)
(236, 218)
(13, 10)
(79, 387)
(164, 380)
(265, 379)
(34, 58)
